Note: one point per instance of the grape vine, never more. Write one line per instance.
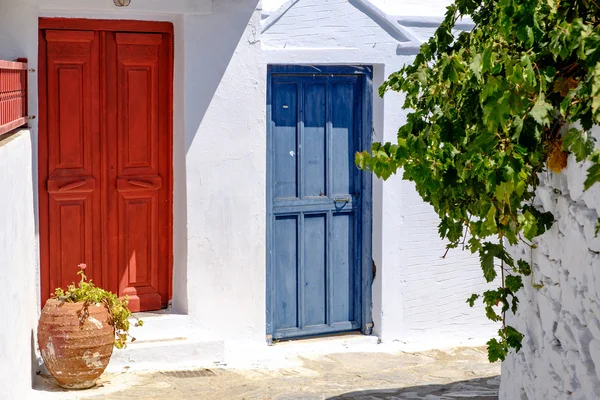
(491, 109)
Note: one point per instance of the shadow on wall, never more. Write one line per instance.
(475, 389)
(206, 44)
(211, 42)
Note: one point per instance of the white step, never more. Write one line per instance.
(167, 342)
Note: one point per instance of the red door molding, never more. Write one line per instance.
(111, 25)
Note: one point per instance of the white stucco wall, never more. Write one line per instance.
(418, 297)
(560, 358)
(18, 307)
(225, 110)
(19, 268)
(219, 148)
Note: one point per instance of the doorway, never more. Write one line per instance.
(105, 156)
(319, 268)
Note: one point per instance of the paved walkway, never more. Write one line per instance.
(446, 375)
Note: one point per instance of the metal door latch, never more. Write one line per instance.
(343, 200)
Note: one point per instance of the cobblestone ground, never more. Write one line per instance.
(445, 375)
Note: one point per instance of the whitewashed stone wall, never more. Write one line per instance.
(560, 358)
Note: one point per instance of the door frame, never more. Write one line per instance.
(84, 24)
(365, 72)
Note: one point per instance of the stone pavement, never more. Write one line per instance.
(462, 373)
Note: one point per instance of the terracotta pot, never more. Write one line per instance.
(75, 354)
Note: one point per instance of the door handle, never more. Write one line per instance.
(137, 183)
(141, 183)
(60, 186)
(342, 200)
(71, 186)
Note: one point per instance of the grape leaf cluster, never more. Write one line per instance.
(491, 109)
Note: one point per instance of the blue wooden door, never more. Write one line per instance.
(315, 197)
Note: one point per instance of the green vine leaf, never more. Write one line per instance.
(581, 144)
(593, 172)
(513, 337)
(471, 300)
(496, 350)
(523, 268)
(593, 176)
(514, 283)
(542, 110)
(487, 255)
(537, 286)
(530, 226)
(596, 92)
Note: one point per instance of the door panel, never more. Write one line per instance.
(285, 234)
(105, 153)
(315, 246)
(138, 86)
(343, 254)
(314, 143)
(71, 235)
(73, 92)
(285, 140)
(73, 128)
(345, 107)
(138, 170)
(138, 255)
(313, 274)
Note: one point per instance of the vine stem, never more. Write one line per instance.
(465, 237)
(504, 313)
(539, 77)
(446, 252)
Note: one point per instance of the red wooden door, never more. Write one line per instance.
(105, 162)
(138, 165)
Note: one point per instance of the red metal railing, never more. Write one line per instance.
(13, 94)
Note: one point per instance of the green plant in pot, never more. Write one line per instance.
(78, 329)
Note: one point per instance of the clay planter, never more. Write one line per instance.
(75, 354)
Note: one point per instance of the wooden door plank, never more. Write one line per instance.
(165, 162)
(111, 112)
(43, 195)
(285, 273)
(314, 151)
(285, 140)
(314, 282)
